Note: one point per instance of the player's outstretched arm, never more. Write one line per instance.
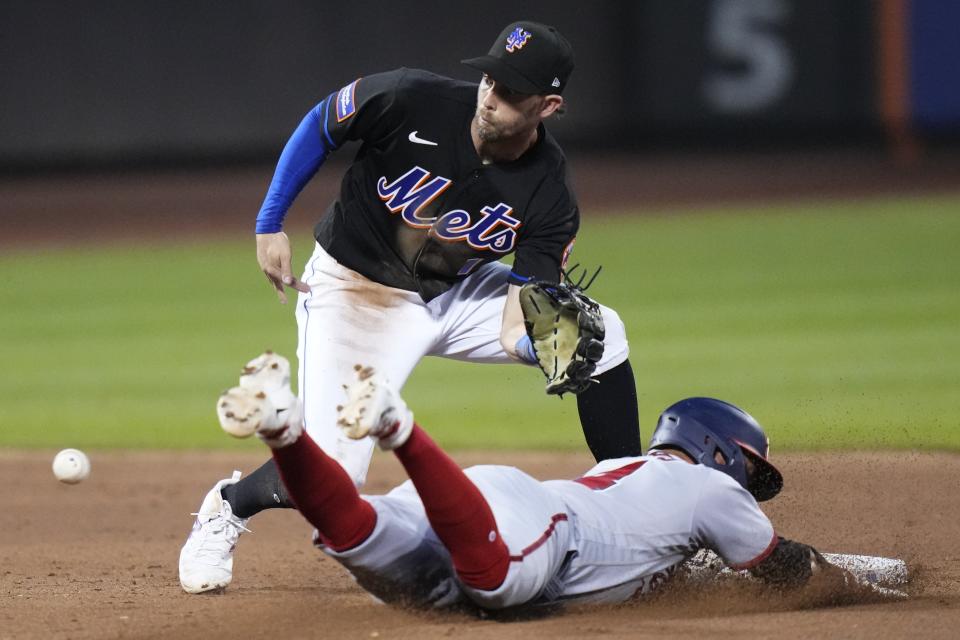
(794, 565)
(790, 564)
(729, 519)
(302, 156)
(275, 256)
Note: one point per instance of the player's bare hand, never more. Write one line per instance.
(274, 256)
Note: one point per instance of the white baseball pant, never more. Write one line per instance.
(403, 561)
(347, 319)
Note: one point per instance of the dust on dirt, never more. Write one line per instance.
(99, 559)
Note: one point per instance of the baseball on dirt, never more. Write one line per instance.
(70, 466)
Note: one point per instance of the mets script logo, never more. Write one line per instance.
(517, 38)
(496, 230)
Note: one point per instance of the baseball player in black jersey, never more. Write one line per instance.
(450, 177)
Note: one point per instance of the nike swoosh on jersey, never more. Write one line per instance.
(413, 137)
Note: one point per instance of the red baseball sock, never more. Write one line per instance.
(325, 495)
(457, 511)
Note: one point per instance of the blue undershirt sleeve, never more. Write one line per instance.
(301, 158)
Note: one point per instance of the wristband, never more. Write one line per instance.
(524, 349)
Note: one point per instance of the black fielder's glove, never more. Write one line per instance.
(566, 330)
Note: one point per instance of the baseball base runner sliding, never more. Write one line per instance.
(496, 538)
(450, 177)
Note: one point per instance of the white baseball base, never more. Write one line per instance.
(885, 574)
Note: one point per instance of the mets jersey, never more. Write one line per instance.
(635, 520)
(418, 209)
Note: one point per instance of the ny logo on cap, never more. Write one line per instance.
(517, 38)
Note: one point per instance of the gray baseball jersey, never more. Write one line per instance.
(638, 519)
(620, 530)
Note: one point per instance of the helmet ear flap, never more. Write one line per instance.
(713, 453)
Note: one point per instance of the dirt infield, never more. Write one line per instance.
(99, 559)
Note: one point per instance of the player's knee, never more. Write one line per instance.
(616, 331)
(489, 573)
(517, 588)
(615, 346)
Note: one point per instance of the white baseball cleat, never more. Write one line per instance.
(269, 371)
(375, 409)
(206, 559)
(263, 403)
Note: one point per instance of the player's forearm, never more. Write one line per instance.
(794, 564)
(513, 333)
(302, 156)
(516, 343)
(790, 564)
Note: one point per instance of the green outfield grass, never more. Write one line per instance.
(837, 325)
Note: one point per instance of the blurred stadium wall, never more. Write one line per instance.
(111, 84)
